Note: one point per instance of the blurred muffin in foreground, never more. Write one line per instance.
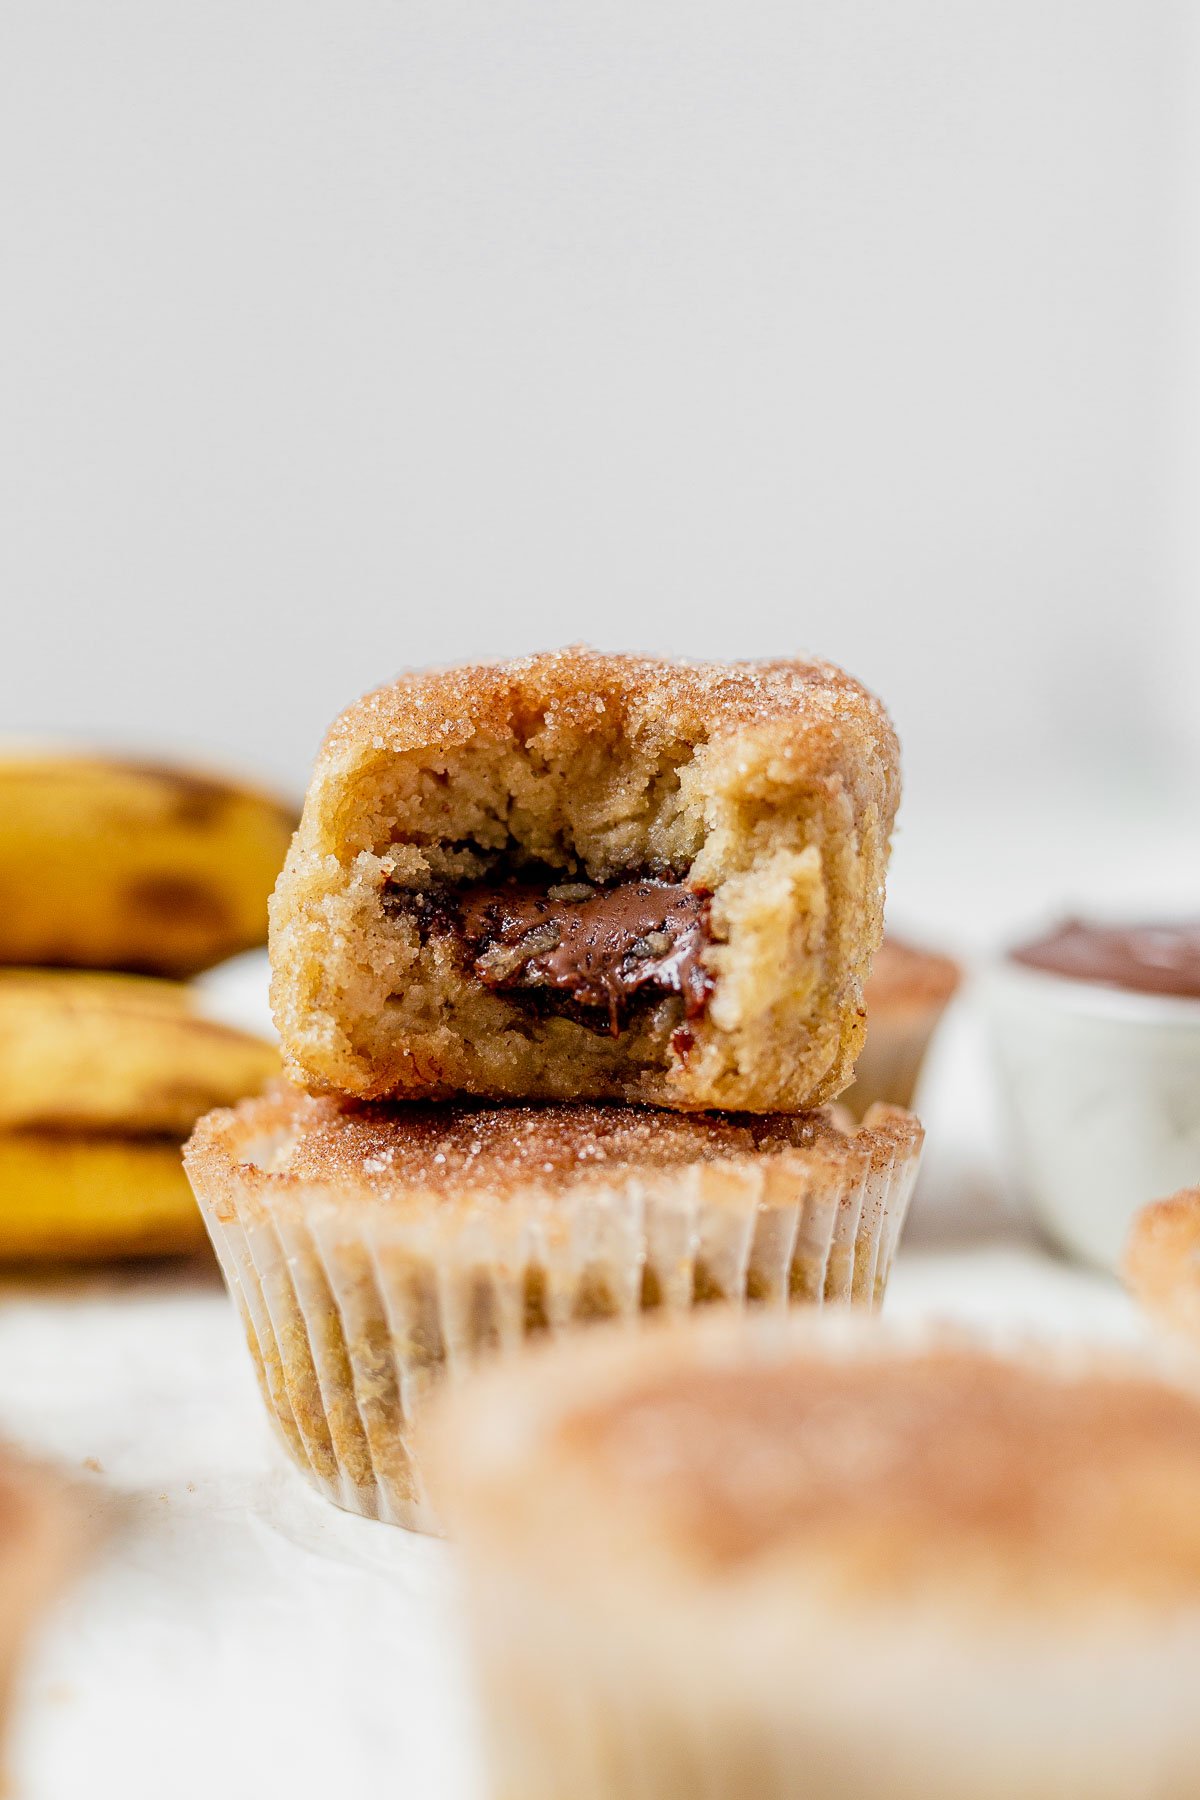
(101, 1078)
(377, 1253)
(1162, 1262)
(803, 1565)
(44, 1533)
(114, 864)
(906, 994)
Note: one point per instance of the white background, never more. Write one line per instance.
(338, 337)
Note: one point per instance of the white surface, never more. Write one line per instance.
(236, 1637)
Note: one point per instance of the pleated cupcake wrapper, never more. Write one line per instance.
(599, 1703)
(563, 1715)
(354, 1313)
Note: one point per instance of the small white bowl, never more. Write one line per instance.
(1102, 1093)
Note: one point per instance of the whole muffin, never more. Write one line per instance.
(1162, 1263)
(793, 1565)
(379, 1253)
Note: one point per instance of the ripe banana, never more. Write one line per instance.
(124, 865)
(64, 1196)
(87, 1051)
(101, 1077)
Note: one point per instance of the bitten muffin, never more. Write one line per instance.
(378, 1252)
(831, 1566)
(579, 876)
(907, 992)
(1162, 1262)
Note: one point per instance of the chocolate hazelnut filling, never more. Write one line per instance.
(592, 952)
(1148, 959)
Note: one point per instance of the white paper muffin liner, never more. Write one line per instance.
(354, 1312)
(919, 1714)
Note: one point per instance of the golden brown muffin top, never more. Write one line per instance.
(696, 701)
(903, 975)
(891, 1471)
(1162, 1261)
(287, 1140)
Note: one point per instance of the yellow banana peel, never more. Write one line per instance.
(87, 1051)
(66, 1196)
(110, 864)
(101, 1077)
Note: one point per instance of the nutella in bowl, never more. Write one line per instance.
(1096, 1026)
(1146, 959)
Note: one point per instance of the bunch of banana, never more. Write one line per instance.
(107, 864)
(101, 1077)
(111, 865)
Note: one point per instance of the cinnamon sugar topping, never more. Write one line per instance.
(900, 1464)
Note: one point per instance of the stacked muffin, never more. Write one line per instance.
(567, 958)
